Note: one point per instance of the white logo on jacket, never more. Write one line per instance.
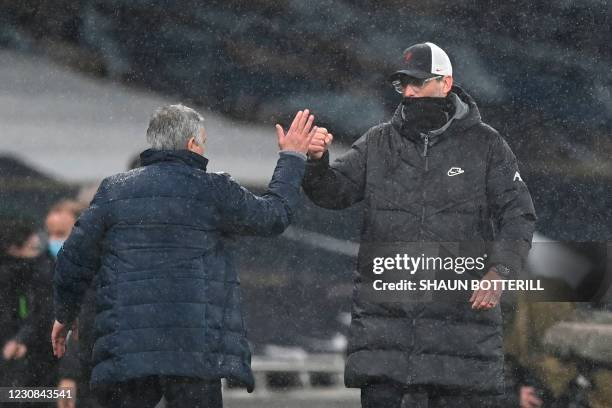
(517, 176)
(454, 171)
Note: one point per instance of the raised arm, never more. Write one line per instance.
(243, 212)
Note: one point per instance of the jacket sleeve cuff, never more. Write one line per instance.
(510, 254)
(502, 270)
(293, 153)
(23, 336)
(64, 316)
(324, 160)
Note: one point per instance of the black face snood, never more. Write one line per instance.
(422, 115)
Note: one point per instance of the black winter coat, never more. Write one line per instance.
(26, 312)
(411, 195)
(168, 298)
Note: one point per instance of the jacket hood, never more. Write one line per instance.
(466, 114)
(152, 156)
(473, 115)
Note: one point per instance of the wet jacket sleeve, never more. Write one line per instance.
(511, 209)
(243, 212)
(79, 260)
(340, 184)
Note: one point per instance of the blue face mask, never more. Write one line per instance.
(54, 246)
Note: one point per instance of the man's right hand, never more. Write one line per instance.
(299, 135)
(319, 143)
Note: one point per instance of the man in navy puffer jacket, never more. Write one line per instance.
(168, 316)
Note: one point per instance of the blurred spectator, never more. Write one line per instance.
(530, 367)
(534, 373)
(59, 222)
(25, 307)
(68, 383)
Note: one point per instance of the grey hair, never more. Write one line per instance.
(171, 127)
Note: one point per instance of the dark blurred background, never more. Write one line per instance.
(539, 70)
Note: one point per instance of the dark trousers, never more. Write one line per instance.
(396, 396)
(147, 392)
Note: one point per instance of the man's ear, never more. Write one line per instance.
(192, 144)
(448, 84)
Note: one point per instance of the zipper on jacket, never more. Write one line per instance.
(423, 214)
(425, 144)
(424, 196)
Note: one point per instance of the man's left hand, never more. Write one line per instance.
(487, 299)
(59, 337)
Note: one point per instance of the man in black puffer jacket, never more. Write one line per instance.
(169, 319)
(434, 173)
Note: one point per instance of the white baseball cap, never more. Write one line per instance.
(423, 61)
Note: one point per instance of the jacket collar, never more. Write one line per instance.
(466, 115)
(151, 156)
(461, 111)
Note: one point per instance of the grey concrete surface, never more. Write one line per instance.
(297, 399)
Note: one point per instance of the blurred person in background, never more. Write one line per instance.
(539, 375)
(434, 173)
(169, 320)
(59, 222)
(25, 307)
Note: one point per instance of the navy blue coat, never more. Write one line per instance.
(168, 295)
